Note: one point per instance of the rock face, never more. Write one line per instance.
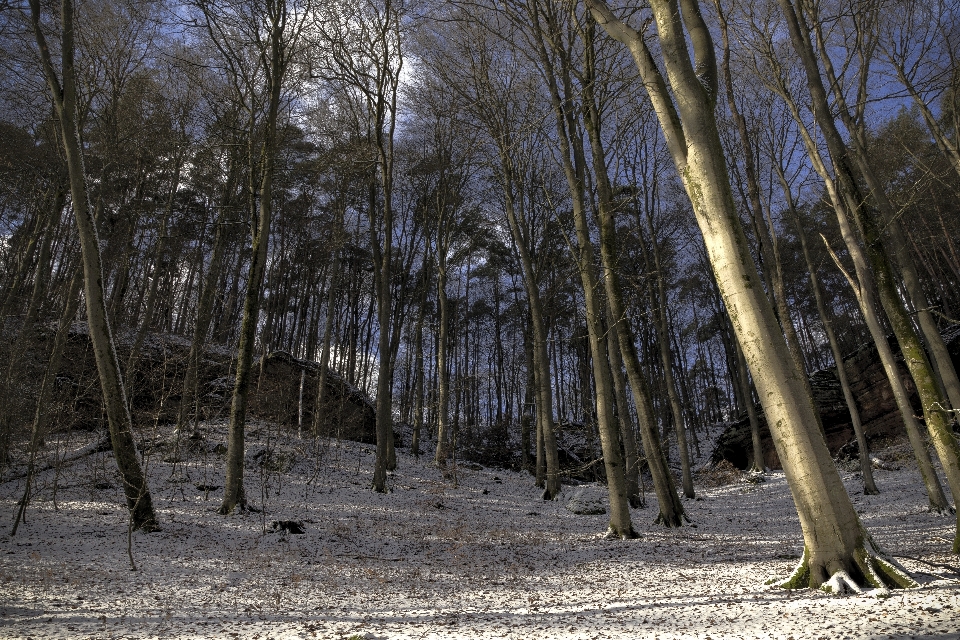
(154, 388)
(873, 395)
(346, 412)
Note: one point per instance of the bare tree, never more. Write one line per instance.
(495, 91)
(862, 284)
(366, 55)
(62, 84)
(257, 42)
(846, 160)
(837, 547)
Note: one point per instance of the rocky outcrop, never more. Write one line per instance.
(154, 388)
(871, 390)
(346, 412)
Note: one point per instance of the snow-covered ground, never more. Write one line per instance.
(475, 556)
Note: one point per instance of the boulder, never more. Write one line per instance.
(587, 502)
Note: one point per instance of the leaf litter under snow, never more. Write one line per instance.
(472, 555)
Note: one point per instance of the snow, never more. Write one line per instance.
(475, 554)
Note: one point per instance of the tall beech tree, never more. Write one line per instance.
(365, 55)
(872, 212)
(671, 510)
(862, 279)
(498, 92)
(554, 52)
(837, 551)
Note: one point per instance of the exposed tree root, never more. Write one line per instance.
(670, 523)
(841, 584)
(613, 534)
(240, 504)
(938, 510)
(548, 495)
(868, 567)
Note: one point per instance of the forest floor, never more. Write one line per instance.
(477, 555)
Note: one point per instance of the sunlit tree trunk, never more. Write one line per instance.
(836, 545)
(864, 291)
(871, 227)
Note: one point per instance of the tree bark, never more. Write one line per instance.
(659, 304)
(275, 54)
(319, 403)
(443, 367)
(45, 398)
(864, 291)
(671, 510)
(627, 436)
(877, 252)
(160, 261)
(573, 164)
(139, 500)
(866, 467)
(545, 427)
(204, 313)
(836, 544)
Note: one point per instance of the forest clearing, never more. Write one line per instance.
(481, 556)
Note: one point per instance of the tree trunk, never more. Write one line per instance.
(573, 164)
(418, 362)
(139, 500)
(659, 304)
(540, 357)
(320, 398)
(866, 467)
(628, 437)
(160, 261)
(863, 288)
(204, 313)
(443, 368)
(836, 545)
(671, 510)
(877, 252)
(765, 238)
(942, 365)
(45, 398)
(233, 492)
(747, 395)
(43, 275)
